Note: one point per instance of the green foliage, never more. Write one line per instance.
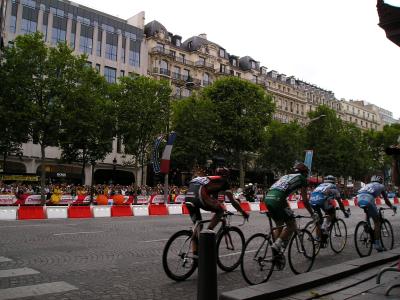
(88, 117)
(283, 145)
(194, 120)
(142, 109)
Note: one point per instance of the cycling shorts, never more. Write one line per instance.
(278, 206)
(367, 202)
(194, 203)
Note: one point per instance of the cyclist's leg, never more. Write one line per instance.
(372, 212)
(287, 216)
(193, 205)
(317, 209)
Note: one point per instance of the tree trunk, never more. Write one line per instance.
(43, 174)
(91, 184)
(83, 167)
(241, 171)
(4, 162)
(142, 168)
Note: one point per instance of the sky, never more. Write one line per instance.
(334, 44)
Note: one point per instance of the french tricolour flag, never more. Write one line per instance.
(165, 159)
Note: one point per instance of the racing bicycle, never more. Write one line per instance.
(364, 234)
(258, 262)
(178, 259)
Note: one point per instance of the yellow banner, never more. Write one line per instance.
(19, 177)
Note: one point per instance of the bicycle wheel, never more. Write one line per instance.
(230, 245)
(363, 239)
(338, 235)
(301, 253)
(257, 263)
(177, 259)
(312, 228)
(387, 237)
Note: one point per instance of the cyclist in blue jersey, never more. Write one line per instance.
(366, 200)
(320, 200)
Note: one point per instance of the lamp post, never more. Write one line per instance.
(114, 168)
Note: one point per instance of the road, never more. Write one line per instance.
(116, 258)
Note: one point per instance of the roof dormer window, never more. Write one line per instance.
(221, 52)
(253, 64)
(178, 43)
(190, 45)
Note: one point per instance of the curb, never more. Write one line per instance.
(278, 289)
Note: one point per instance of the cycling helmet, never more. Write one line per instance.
(330, 179)
(377, 178)
(300, 168)
(222, 171)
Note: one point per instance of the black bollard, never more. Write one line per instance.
(207, 278)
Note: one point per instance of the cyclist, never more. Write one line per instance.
(278, 205)
(203, 194)
(366, 200)
(320, 199)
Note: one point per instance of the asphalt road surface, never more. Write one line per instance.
(118, 258)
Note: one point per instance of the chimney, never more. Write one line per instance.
(203, 35)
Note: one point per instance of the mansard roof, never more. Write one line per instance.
(150, 29)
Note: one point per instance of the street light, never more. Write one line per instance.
(114, 168)
(316, 118)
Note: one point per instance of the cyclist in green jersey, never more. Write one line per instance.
(276, 201)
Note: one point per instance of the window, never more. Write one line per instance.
(86, 40)
(130, 35)
(108, 28)
(29, 20)
(206, 79)
(178, 43)
(29, 3)
(123, 51)
(134, 58)
(98, 68)
(234, 62)
(222, 68)
(134, 53)
(221, 52)
(185, 74)
(253, 64)
(57, 12)
(59, 30)
(177, 73)
(111, 46)
(110, 74)
(190, 45)
(73, 35)
(13, 24)
(98, 46)
(84, 21)
(122, 73)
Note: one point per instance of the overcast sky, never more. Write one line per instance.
(334, 44)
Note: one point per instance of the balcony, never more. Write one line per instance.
(223, 72)
(204, 64)
(191, 82)
(159, 50)
(183, 61)
(162, 71)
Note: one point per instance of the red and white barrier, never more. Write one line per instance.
(57, 212)
(152, 205)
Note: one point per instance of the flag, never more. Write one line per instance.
(155, 155)
(308, 160)
(165, 159)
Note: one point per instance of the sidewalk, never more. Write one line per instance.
(355, 280)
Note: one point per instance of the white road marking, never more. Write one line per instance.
(4, 259)
(81, 232)
(36, 290)
(17, 272)
(151, 241)
(37, 225)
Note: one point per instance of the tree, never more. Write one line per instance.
(12, 119)
(38, 77)
(142, 106)
(244, 110)
(193, 119)
(322, 138)
(88, 118)
(282, 146)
